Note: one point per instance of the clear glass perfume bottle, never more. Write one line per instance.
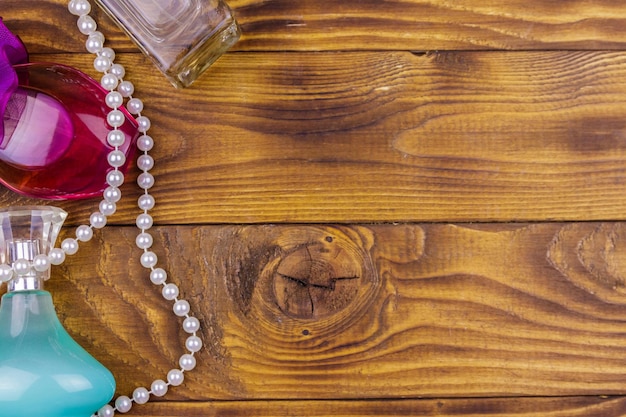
(182, 37)
(43, 371)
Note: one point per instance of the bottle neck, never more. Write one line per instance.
(21, 250)
(25, 283)
(25, 310)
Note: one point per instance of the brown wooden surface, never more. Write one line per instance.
(366, 311)
(493, 407)
(375, 208)
(417, 25)
(451, 136)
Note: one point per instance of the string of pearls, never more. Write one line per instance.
(119, 91)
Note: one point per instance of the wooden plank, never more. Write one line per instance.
(430, 25)
(281, 25)
(371, 137)
(506, 407)
(363, 311)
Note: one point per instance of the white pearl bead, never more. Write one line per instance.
(97, 36)
(145, 143)
(145, 181)
(126, 88)
(159, 387)
(107, 208)
(97, 220)
(158, 276)
(21, 267)
(115, 138)
(148, 259)
(145, 162)
(101, 63)
(116, 158)
(181, 308)
(112, 194)
(144, 221)
(6, 273)
(143, 124)
(94, 42)
(175, 377)
(109, 82)
(193, 343)
(69, 246)
(114, 99)
(187, 362)
(79, 7)
(141, 395)
(41, 263)
(134, 105)
(86, 25)
(123, 404)
(115, 178)
(191, 325)
(108, 52)
(57, 256)
(118, 70)
(115, 118)
(144, 240)
(146, 202)
(170, 291)
(106, 411)
(84, 233)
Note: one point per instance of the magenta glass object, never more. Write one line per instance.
(55, 127)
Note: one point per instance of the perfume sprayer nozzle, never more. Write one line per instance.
(25, 233)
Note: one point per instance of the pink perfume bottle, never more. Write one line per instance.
(182, 37)
(53, 144)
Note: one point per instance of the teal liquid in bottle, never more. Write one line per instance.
(43, 371)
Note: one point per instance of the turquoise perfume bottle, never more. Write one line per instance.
(43, 371)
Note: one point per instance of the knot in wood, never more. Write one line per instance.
(317, 279)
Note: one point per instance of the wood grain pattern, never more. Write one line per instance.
(370, 137)
(501, 407)
(419, 25)
(325, 194)
(362, 311)
(430, 25)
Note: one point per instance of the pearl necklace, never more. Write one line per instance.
(120, 90)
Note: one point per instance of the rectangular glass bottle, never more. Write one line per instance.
(182, 37)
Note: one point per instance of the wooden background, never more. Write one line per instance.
(376, 208)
